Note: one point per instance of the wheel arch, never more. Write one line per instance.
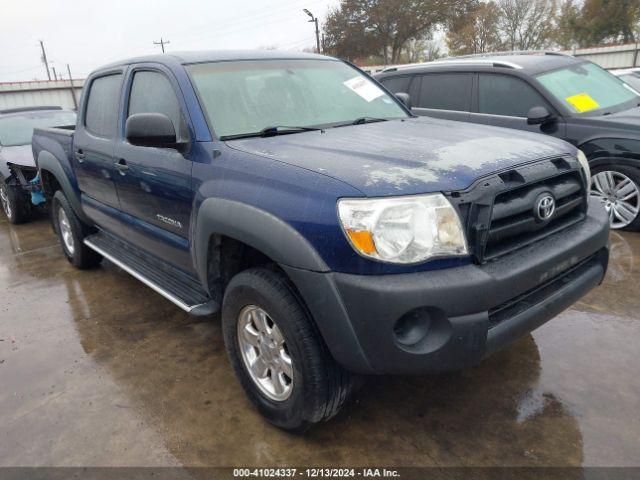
(53, 176)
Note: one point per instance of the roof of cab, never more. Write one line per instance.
(531, 63)
(216, 56)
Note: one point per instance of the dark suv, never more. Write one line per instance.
(542, 92)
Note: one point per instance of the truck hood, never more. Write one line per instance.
(18, 155)
(403, 157)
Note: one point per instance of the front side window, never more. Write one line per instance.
(445, 91)
(151, 92)
(101, 114)
(244, 97)
(17, 129)
(586, 88)
(505, 95)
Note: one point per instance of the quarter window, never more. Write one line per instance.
(151, 92)
(445, 91)
(508, 96)
(101, 115)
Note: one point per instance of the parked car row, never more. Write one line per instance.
(337, 233)
(543, 92)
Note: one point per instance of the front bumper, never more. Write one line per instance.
(448, 319)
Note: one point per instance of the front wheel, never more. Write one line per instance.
(278, 354)
(618, 187)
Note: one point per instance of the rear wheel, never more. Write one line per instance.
(71, 233)
(14, 203)
(618, 187)
(278, 354)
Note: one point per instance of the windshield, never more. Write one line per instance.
(17, 129)
(246, 97)
(587, 88)
(631, 79)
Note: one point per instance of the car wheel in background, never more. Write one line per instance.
(278, 353)
(71, 233)
(14, 203)
(618, 187)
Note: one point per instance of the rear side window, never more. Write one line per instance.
(445, 91)
(504, 95)
(151, 92)
(102, 106)
(397, 84)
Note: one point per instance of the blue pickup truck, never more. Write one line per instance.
(336, 233)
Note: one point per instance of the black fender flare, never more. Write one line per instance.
(49, 163)
(254, 227)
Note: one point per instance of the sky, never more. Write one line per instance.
(89, 33)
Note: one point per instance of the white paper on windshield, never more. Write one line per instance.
(363, 87)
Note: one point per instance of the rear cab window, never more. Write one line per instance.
(101, 112)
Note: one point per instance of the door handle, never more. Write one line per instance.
(122, 166)
(80, 156)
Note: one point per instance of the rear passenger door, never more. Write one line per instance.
(154, 184)
(443, 95)
(93, 150)
(505, 101)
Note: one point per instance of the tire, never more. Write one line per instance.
(15, 203)
(621, 213)
(71, 233)
(319, 387)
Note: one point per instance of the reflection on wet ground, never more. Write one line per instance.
(96, 369)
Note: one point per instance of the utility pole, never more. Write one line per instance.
(44, 59)
(314, 20)
(73, 90)
(162, 43)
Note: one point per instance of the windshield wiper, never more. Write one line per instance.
(361, 120)
(272, 132)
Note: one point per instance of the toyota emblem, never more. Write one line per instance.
(545, 207)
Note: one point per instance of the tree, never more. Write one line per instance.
(568, 29)
(476, 32)
(358, 29)
(527, 24)
(609, 21)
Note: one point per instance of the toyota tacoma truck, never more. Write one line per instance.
(337, 234)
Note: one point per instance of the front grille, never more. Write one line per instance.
(514, 223)
(499, 214)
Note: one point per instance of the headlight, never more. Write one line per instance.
(402, 229)
(584, 163)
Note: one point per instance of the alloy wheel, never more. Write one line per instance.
(265, 353)
(620, 195)
(65, 231)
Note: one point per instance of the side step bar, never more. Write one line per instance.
(175, 286)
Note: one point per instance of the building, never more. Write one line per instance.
(612, 56)
(63, 93)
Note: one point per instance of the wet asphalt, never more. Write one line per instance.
(98, 370)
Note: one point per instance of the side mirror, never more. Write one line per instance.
(150, 130)
(538, 116)
(404, 98)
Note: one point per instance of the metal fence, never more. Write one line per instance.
(64, 93)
